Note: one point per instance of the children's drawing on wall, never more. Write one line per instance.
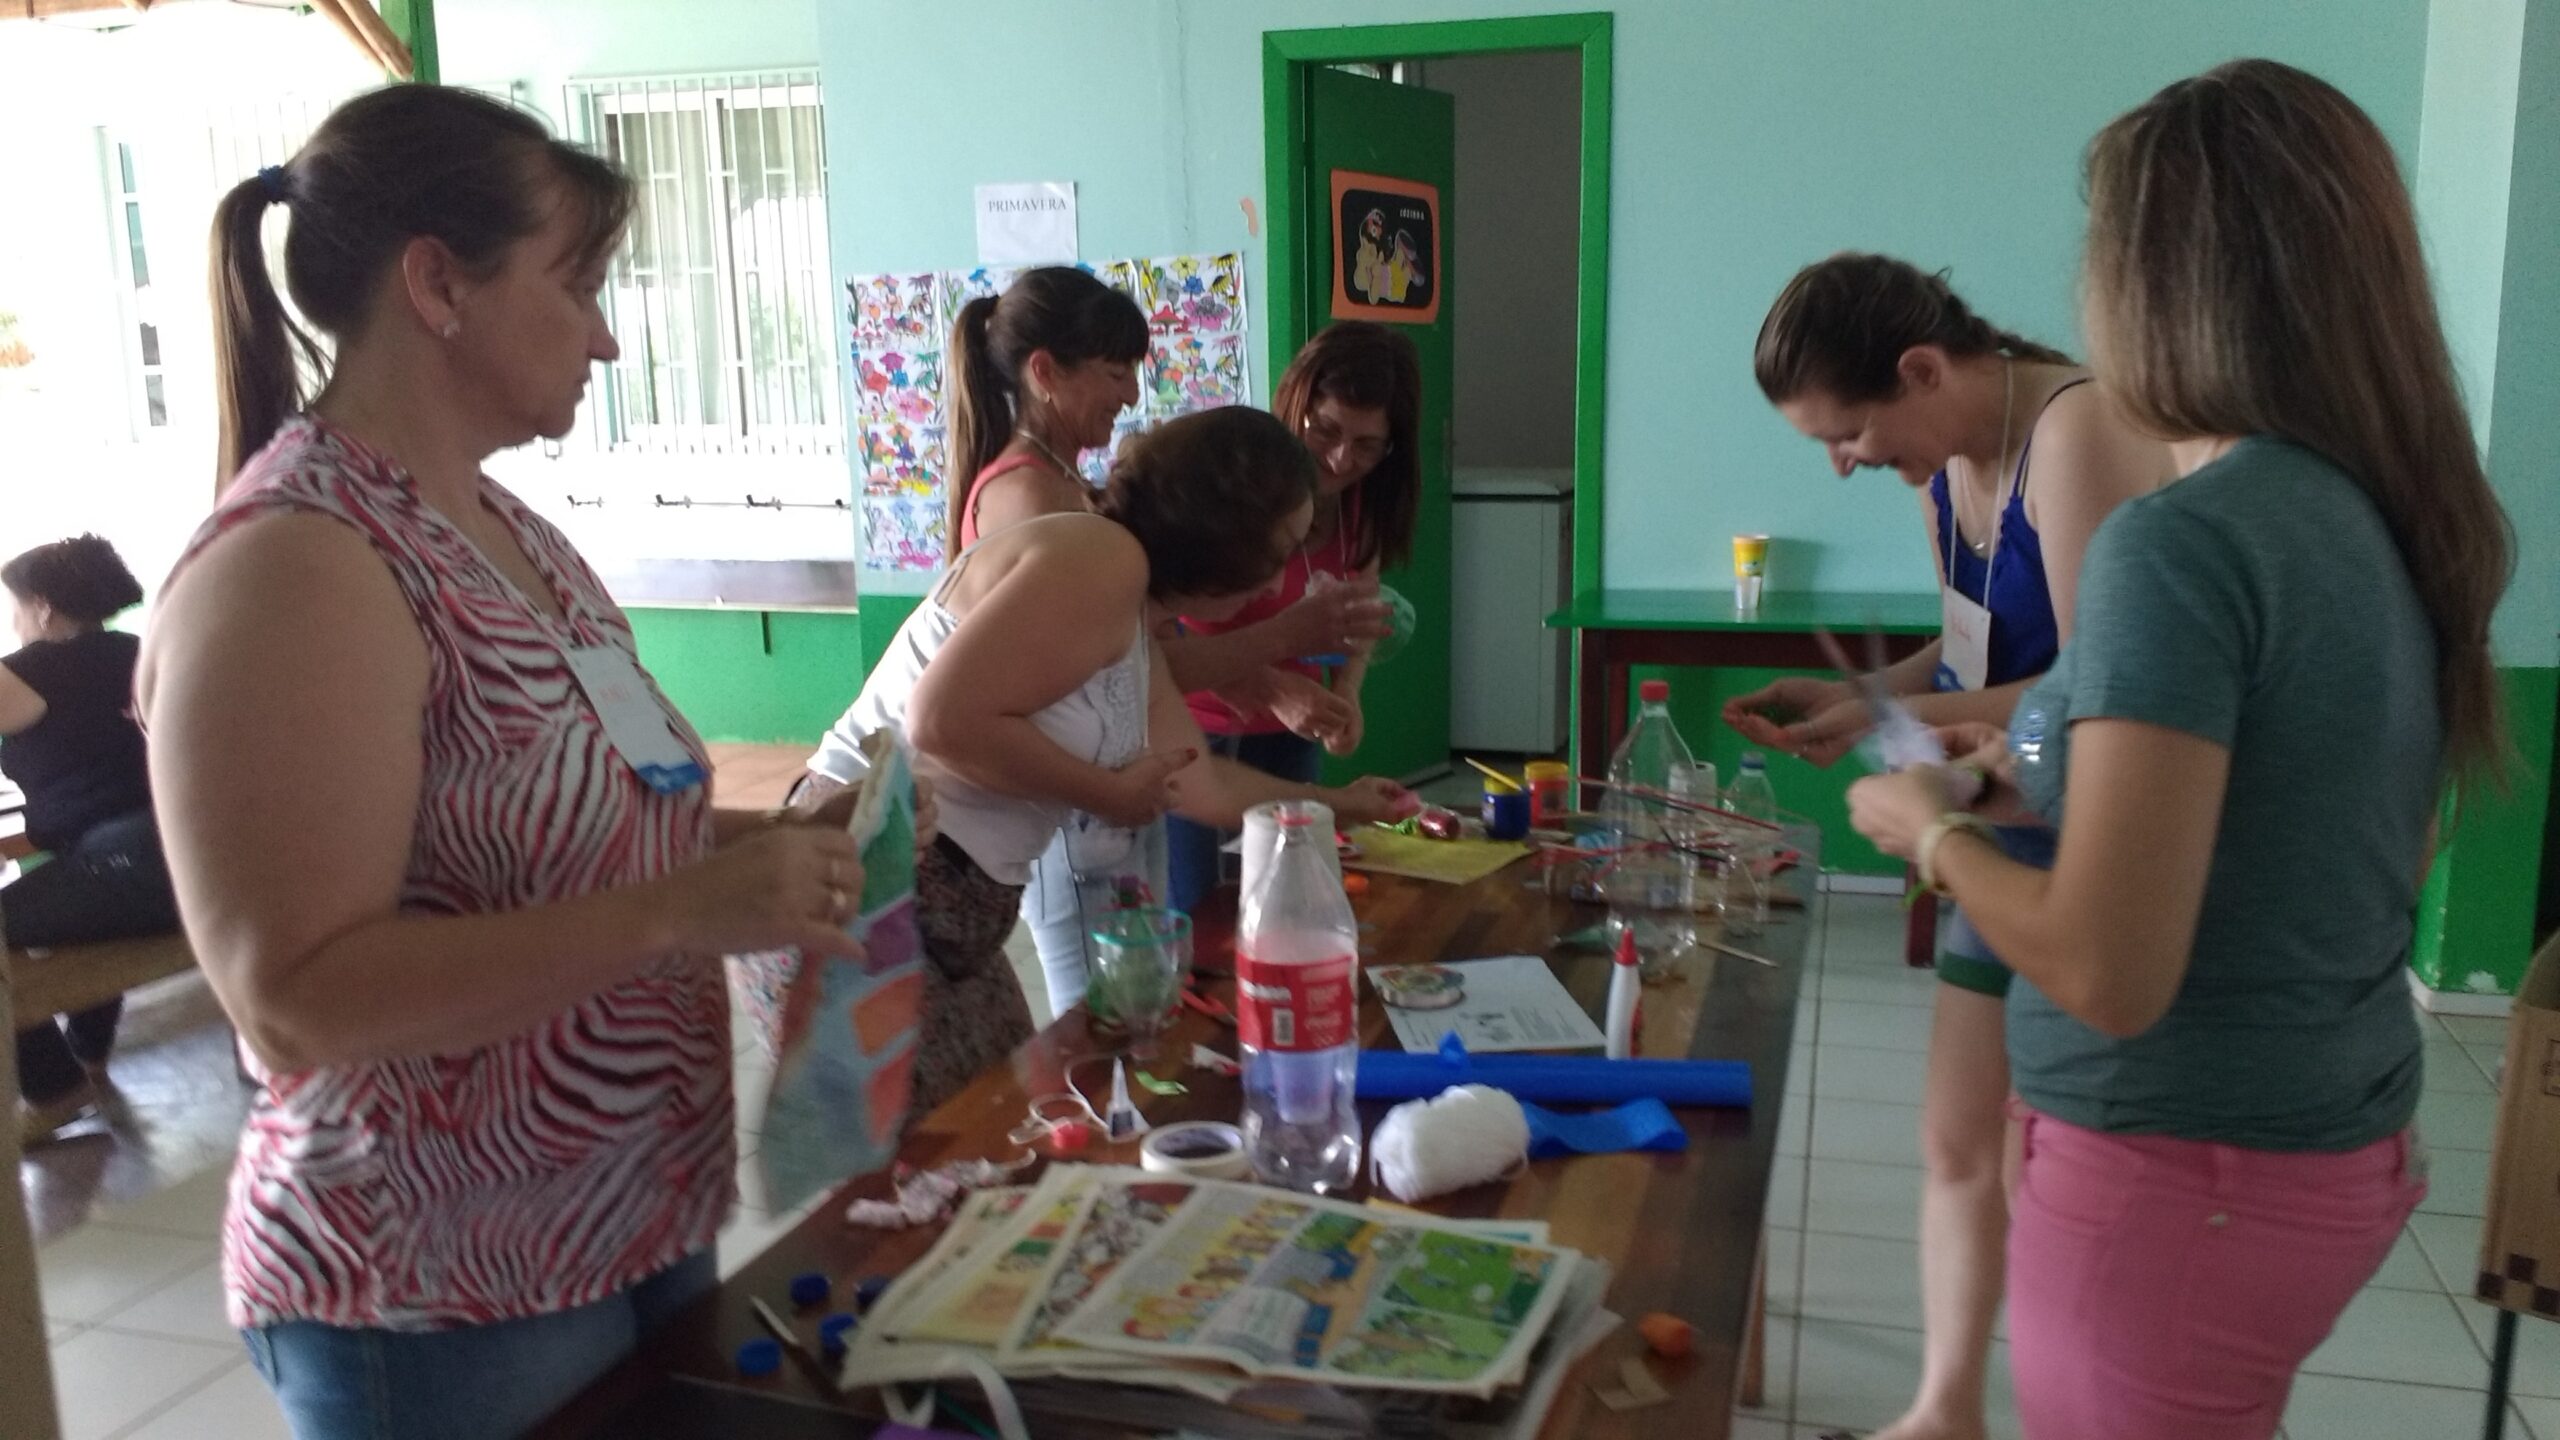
(1386, 243)
(1194, 304)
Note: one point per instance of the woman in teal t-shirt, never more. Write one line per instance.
(2213, 1038)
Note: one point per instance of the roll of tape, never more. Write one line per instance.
(1202, 1149)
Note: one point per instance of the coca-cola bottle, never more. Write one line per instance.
(1296, 1013)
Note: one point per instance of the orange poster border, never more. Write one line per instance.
(1346, 308)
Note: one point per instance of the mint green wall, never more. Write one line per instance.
(2466, 151)
(2524, 441)
(1750, 138)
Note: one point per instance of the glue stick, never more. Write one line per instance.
(1626, 994)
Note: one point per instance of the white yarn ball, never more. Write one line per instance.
(1468, 1135)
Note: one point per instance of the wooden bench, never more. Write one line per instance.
(73, 978)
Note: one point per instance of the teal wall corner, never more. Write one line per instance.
(2476, 915)
(717, 667)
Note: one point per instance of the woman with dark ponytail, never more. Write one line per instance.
(1037, 376)
(2016, 459)
(66, 706)
(443, 849)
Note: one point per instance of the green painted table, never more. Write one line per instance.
(1620, 629)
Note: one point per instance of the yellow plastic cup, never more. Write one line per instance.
(1750, 570)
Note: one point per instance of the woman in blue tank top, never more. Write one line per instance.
(2016, 461)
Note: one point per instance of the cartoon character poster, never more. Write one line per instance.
(1386, 249)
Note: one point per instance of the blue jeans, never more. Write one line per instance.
(477, 1382)
(1191, 850)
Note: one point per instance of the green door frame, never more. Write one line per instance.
(1288, 56)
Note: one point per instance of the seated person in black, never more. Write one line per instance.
(66, 710)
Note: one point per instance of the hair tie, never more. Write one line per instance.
(271, 181)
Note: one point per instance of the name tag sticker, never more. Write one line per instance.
(633, 719)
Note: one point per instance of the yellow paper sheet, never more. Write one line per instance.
(1451, 862)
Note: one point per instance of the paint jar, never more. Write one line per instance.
(1506, 813)
(1550, 791)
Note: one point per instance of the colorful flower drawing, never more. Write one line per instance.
(906, 384)
(1185, 372)
(959, 287)
(1120, 275)
(902, 531)
(899, 455)
(892, 310)
(1192, 292)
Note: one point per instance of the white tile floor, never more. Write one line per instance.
(141, 1353)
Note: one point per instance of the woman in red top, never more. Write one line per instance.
(1354, 395)
(1037, 375)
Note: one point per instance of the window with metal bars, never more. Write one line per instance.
(718, 297)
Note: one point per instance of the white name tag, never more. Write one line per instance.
(1964, 651)
(633, 719)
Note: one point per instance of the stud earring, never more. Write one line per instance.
(451, 329)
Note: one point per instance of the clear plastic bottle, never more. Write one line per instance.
(1744, 901)
(1296, 1012)
(1652, 889)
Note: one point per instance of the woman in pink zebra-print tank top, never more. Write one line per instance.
(447, 855)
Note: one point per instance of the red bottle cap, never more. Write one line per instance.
(1653, 690)
(1626, 947)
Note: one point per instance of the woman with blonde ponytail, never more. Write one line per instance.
(2280, 660)
(445, 852)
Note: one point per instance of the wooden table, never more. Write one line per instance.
(1620, 629)
(1682, 1231)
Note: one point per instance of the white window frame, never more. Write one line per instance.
(128, 225)
(737, 261)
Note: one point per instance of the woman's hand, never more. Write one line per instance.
(1307, 709)
(928, 814)
(1335, 618)
(1371, 800)
(1143, 789)
(1763, 715)
(787, 886)
(1892, 810)
(1983, 748)
(1828, 733)
(1345, 737)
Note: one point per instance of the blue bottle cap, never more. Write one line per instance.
(809, 1290)
(759, 1357)
(866, 1291)
(831, 1333)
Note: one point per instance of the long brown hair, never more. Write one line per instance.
(1841, 327)
(2254, 269)
(388, 167)
(1205, 495)
(1056, 308)
(1366, 365)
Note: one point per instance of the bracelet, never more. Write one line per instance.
(1924, 854)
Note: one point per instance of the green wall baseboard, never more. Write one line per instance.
(2476, 916)
(757, 677)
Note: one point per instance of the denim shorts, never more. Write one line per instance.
(474, 1382)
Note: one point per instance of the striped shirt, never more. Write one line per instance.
(572, 1160)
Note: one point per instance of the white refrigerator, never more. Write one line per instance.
(1512, 556)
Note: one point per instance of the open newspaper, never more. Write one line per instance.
(1193, 1285)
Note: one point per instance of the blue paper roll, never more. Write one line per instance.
(1557, 1079)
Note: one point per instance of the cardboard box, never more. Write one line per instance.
(2520, 1241)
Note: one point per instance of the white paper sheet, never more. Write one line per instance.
(1513, 1002)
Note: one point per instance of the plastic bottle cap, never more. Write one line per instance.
(1654, 690)
(809, 1290)
(867, 1290)
(1626, 947)
(759, 1357)
(1751, 760)
(831, 1332)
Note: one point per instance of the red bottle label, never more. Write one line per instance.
(1295, 1007)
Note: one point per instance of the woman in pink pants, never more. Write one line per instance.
(2279, 661)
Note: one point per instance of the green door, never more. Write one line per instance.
(1375, 128)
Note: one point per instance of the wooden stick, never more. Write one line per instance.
(1505, 781)
(359, 22)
